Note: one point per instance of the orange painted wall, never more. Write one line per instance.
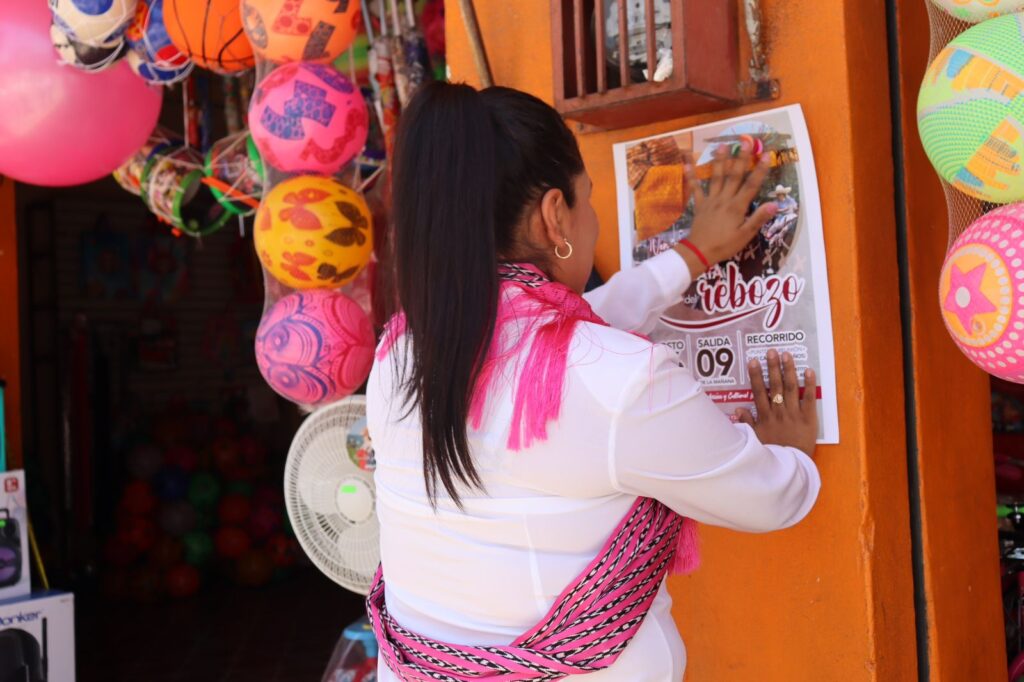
(953, 421)
(9, 323)
(831, 599)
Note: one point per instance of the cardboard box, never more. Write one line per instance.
(37, 638)
(15, 576)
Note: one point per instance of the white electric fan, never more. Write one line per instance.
(330, 496)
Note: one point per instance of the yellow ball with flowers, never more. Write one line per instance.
(313, 232)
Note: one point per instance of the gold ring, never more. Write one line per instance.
(778, 399)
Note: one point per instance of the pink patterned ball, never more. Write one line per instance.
(308, 118)
(314, 347)
(981, 291)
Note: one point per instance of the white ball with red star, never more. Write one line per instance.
(981, 292)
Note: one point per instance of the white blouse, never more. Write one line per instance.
(633, 423)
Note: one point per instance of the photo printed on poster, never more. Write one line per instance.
(773, 294)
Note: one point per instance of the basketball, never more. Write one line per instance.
(981, 292)
(210, 32)
(313, 233)
(308, 118)
(93, 22)
(973, 11)
(300, 30)
(969, 108)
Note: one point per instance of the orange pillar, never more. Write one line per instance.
(833, 598)
(9, 321)
(953, 426)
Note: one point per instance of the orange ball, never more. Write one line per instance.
(300, 30)
(313, 232)
(210, 32)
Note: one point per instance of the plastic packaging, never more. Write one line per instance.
(355, 656)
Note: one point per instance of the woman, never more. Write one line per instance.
(534, 464)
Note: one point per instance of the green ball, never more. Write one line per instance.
(970, 111)
(243, 488)
(198, 547)
(973, 11)
(204, 490)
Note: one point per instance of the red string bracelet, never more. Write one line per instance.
(700, 256)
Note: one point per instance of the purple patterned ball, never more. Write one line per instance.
(314, 347)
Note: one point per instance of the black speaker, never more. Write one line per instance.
(22, 659)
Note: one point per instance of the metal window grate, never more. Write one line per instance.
(620, 63)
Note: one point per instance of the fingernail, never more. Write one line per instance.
(787, 358)
(772, 355)
(753, 364)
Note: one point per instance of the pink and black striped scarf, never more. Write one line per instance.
(596, 616)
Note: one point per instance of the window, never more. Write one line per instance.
(676, 57)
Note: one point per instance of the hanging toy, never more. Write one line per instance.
(315, 347)
(210, 32)
(973, 11)
(308, 118)
(155, 75)
(234, 173)
(147, 35)
(93, 22)
(129, 175)
(85, 57)
(300, 30)
(313, 232)
(981, 292)
(173, 189)
(969, 108)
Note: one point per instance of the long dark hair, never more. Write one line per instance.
(468, 164)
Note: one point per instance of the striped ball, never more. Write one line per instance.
(973, 11)
(970, 110)
(981, 292)
(210, 32)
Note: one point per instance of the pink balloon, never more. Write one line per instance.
(314, 347)
(60, 126)
(308, 118)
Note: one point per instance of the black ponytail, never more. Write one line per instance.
(467, 166)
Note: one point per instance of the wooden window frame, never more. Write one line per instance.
(706, 64)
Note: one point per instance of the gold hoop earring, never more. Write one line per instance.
(566, 256)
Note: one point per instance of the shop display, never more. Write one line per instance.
(210, 32)
(308, 118)
(774, 294)
(234, 172)
(15, 579)
(93, 122)
(173, 188)
(973, 11)
(969, 107)
(980, 292)
(355, 655)
(303, 30)
(313, 232)
(93, 22)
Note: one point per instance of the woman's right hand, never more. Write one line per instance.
(783, 417)
(721, 227)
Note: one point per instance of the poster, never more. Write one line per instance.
(773, 294)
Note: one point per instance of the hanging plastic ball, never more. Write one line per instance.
(255, 568)
(313, 232)
(182, 581)
(90, 58)
(232, 542)
(198, 547)
(155, 75)
(234, 172)
(93, 22)
(300, 30)
(210, 32)
(138, 498)
(981, 292)
(315, 347)
(147, 35)
(973, 11)
(204, 490)
(969, 108)
(177, 518)
(308, 118)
